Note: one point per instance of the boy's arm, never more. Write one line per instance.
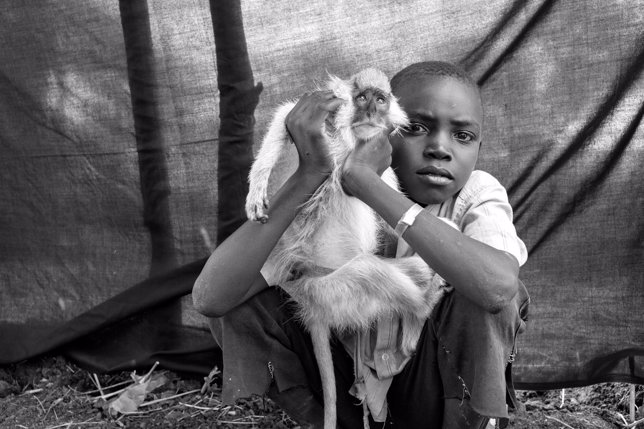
(231, 274)
(485, 275)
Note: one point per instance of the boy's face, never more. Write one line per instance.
(436, 154)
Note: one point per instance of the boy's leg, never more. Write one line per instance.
(265, 350)
(415, 397)
(255, 348)
(463, 355)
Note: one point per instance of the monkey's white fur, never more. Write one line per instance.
(339, 283)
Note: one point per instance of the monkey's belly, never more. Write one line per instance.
(341, 238)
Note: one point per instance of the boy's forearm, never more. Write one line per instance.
(233, 269)
(484, 274)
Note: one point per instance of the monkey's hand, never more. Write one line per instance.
(257, 198)
(257, 205)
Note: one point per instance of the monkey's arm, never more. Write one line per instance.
(232, 273)
(485, 275)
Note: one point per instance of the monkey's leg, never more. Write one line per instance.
(434, 288)
(273, 144)
(357, 293)
(321, 346)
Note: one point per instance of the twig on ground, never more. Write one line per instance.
(199, 408)
(40, 403)
(140, 413)
(559, 421)
(169, 397)
(190, 416)
(32, 391)
(89, 392)
(621, 416)
(98, 385)
(224, 410)
(209, 380)
(198, 402)
(631, 402)
(149, 374)
(53, 404)
(635, 423)
(70, 424)
(116, 392)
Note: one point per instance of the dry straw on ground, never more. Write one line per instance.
(51, 393)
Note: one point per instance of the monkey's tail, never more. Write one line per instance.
(321, 346)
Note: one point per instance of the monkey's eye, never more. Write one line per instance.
(381, 100)
(361, 98)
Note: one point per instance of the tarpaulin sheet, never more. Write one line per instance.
(113, 171)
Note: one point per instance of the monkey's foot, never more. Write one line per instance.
(257, 208)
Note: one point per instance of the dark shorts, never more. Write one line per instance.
(464, 353)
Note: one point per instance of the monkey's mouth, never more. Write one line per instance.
(367, 130)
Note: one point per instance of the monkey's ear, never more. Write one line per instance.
(333, 82)
(397, 115)
(340, 87)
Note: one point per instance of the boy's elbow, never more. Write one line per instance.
(203, 302)
(504, 293)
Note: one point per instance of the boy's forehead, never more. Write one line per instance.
(416, 83)
(425, 88)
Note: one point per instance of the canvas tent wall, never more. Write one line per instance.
(109, 132)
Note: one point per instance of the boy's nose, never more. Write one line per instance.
(437, 146)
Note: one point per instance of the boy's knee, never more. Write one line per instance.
(257, 315)
(461, 317)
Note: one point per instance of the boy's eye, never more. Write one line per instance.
(415, 129)
(464, 136)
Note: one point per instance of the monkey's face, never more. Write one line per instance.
(370, 117)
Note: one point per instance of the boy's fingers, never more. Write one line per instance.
(333, 104)
(311, 112)
(322, 99)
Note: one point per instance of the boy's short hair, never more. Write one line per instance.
(432, 68)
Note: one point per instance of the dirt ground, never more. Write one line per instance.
(52, 393)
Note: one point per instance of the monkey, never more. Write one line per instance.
(326, 259)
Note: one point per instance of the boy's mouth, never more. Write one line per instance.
(435, 175)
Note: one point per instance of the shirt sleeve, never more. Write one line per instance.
(484, 213)
(269, 272)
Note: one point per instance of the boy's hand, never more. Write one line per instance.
(366, 163)
(306, 123)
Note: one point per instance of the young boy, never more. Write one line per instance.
(457, 377)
